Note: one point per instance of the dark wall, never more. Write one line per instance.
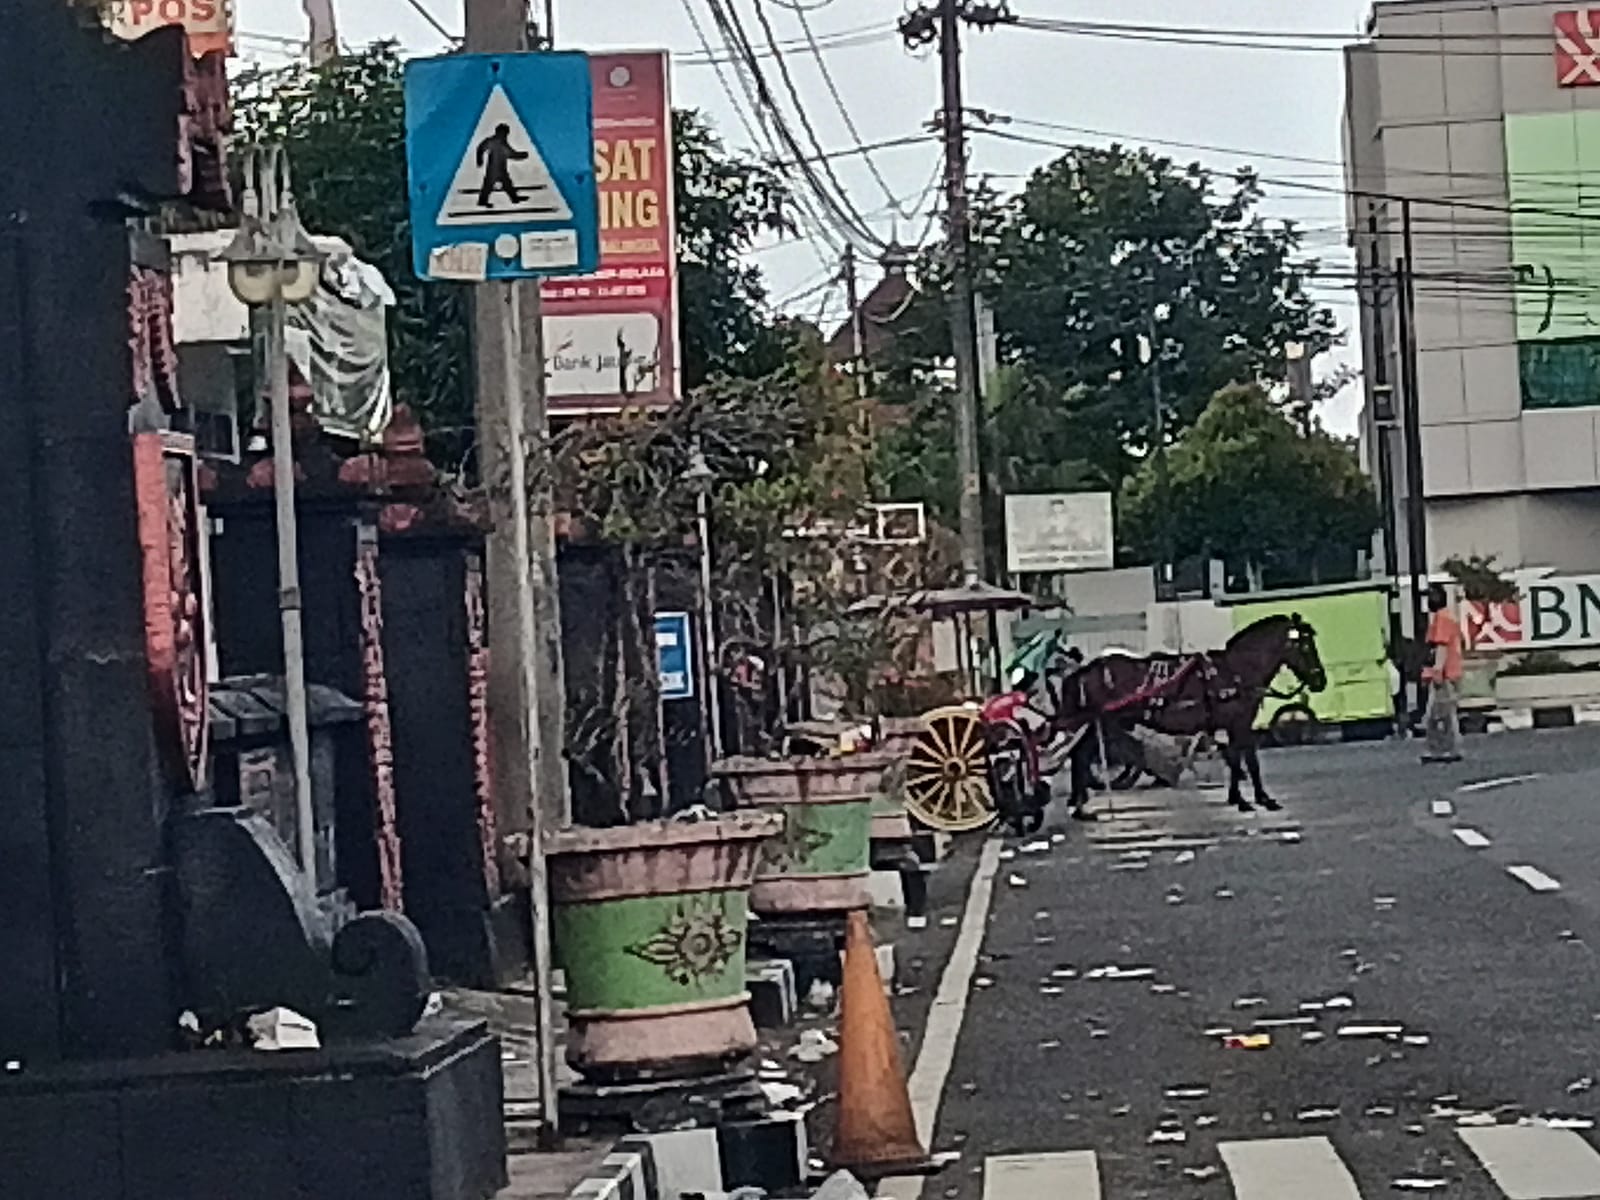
(426, 652)
(82, 912)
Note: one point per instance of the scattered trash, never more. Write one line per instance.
(1017, 881)
(1039, 847)
(1420, 1183)
(1312, 1006)
(1174, 898)
(983, 981)
(1064, 973)
(1130, 866)
(1137, 854)
(841, 1185)
(916, 922)
(1173, 1136)
(1224, 893)
(1585, 1084)
(1475, 1120)
(1163, 989)
(1247, 1041)
(1196, 1092)
(1372, 1031)
(1383, 901)
(820, 996)
(1379, 1111)
(1051, 990)
(1050, 1044)
(1119, 973)
(1309, 1115)
(1416, 1039)
(1058, 838)
(283, 1029)
(1044, 939)
(1042, 914)
(813, 1047)
(1183, 858)
(947, 922)
(434, 1005)
(781, 1095)
(1443, 808)
(1206, 1120)
(1284, 1022)
(1339, 1002)
(13, 1065)
(1417, 1130)
(1553, 1122)
(1201, 1174)
(1096, 1034)
(1250, 1002)
(771, 1068)
(1289, 835)
(1313, 1035)
(1007, 855)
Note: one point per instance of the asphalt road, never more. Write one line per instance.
(1431, 997)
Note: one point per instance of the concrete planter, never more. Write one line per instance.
(1547, 691)
(649, 923)
(819, 863)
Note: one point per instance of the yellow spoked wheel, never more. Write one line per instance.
(947, 775)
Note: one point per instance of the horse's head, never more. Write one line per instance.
(1301, 657)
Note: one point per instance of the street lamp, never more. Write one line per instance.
(273, 264)
(699, 476)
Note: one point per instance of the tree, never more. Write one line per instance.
(344, 127)
(1249, 487)
(1109, 266)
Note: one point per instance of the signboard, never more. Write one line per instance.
(674, 650)
(611, 339)
(1578, 48)
(1550, 614)
(1071, 531)
(501, 157)
(209, 23)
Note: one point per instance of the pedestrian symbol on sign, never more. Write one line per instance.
(502, 176)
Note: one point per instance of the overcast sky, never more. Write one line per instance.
(1250, 102)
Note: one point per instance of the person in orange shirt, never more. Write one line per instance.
(1442, 721)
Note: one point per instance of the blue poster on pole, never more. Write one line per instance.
(674, 649)
(500, 150)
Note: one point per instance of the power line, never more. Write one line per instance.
(434, 23)
(833, 90)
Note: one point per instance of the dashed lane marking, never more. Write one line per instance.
(1443, 808)
(1470, 838)
(1074, 1175)
(1489, 785)
(1539, 882)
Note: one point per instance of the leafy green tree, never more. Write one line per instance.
(344, 127)
(1110, 265)
(1248, 486)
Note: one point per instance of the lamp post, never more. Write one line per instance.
(272, 264)
(699, 477)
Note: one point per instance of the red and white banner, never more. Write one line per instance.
(1578, 48)
(611, 339)
(209, 22)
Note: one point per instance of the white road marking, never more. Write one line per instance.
(944, 1018)
(1534, 878)
(1534, 1163)
(1443, 808)
(1273, 1168)
(1488, 785)
(1470, 838)
(1070, 1176)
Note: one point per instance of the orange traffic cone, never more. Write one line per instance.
(876, 1135)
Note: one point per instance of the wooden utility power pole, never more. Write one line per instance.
(526, 695)
(963, 315)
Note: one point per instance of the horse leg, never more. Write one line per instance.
(1234, 758)
(1252, 758)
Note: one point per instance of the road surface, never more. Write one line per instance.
(1390, 988)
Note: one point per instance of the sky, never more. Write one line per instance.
(1249, 103)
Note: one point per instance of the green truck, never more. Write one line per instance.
(1352, 623)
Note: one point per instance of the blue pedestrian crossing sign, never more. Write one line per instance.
(675, 652)
(500, 150)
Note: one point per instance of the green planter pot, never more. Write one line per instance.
(649, 921)
(819, 863)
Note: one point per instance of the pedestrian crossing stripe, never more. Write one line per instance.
(1525, 1162)
(502, 178)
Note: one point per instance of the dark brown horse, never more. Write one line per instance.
(1185, 695)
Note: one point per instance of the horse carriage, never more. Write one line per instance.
(969, 766)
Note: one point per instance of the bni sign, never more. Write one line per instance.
(1067, 531)
(674, 653)
(1550, 614)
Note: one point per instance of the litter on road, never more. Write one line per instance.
(1247, 1041)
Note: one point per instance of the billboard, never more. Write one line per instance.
(209, 23)
(611, 338)
(1555, 237)
(1068, 531)
(1550, 614)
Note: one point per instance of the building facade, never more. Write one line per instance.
(1472, 152)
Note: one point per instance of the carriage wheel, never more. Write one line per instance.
(947, 774)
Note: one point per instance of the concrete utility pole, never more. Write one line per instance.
(527, 698)
(1411, 424)
(963, 315)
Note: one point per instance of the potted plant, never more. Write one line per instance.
(649, 923)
